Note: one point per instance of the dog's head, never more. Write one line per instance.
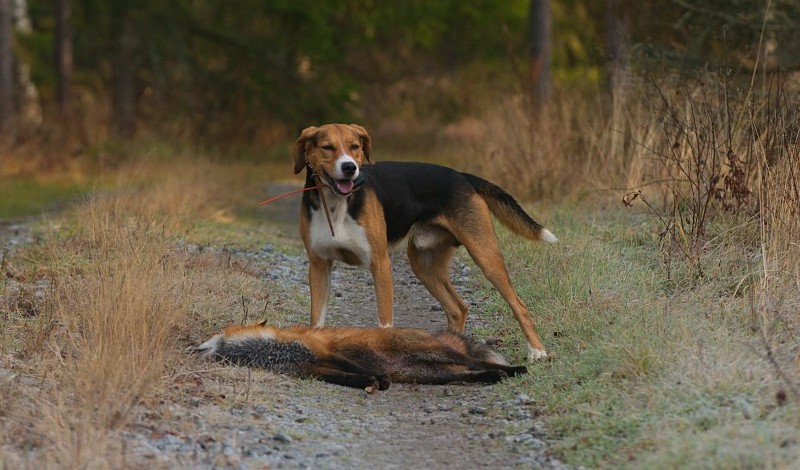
(335, 152)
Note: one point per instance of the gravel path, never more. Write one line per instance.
(229, 417)
(234, 417)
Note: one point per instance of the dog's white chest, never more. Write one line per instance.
(349, 242)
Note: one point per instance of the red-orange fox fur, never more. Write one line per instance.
(369, 358)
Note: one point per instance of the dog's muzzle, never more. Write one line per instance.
(346, 186)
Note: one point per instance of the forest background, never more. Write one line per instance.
(249, 74)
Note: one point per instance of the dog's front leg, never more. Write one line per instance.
(381, 269)
(319, 280)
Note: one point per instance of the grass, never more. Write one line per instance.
(95, 312)
(26, 196)
(646, 376)
(676, 323)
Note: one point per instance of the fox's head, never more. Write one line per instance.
(234, 334)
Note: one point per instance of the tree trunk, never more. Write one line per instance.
(29, 106)
(540, 20)
(63, 59)
(124, 70)
(616, 33)
(6, 72)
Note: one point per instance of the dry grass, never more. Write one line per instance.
(581, 142)
(111, 291)
(714, 160)
(776, 302)
(676, 324)
(115, 325)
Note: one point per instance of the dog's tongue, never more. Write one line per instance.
(344, 186)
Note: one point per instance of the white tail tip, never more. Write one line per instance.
(547, 236)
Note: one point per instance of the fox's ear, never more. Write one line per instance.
(263, 322)
(366, 140)
(300, 148)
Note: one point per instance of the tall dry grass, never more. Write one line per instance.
(725, 161)
(581, 142)
(116, 303)
(681, 334)
(777, 300)
(714, 159)
(115, 321)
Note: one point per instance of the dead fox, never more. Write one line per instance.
(368, 358)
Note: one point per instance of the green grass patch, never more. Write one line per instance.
(25, 196)
(648, 373)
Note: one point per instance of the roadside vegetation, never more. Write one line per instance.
(671, 302)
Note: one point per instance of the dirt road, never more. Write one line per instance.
(247, 419)
(218, 416)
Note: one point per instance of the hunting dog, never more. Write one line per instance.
(360, 210)
(369, 358)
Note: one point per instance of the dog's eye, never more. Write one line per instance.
(355, 147)
(328, 147)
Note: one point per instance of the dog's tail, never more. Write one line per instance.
(508, 211)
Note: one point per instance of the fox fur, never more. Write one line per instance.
(368, 358)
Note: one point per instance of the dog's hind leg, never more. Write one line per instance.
(431, 266)
(476, 233)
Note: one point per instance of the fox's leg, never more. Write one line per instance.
(511, 371)
(431, 266)
(342, 365)
(439, 363)
(439, 374)
(347, 379)
(319, 279)
(444, 372)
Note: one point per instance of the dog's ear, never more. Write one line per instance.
(366, 141)
(263, 322)
(300, 148)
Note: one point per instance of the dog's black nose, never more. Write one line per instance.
(348, 168)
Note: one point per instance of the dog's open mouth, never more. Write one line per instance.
(344, 187)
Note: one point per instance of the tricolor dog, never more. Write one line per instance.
(372, 207)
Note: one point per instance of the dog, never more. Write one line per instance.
(361, 209)
(368, 358)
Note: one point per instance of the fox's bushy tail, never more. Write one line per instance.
(508, 211)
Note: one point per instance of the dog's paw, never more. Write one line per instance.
(538, 355)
